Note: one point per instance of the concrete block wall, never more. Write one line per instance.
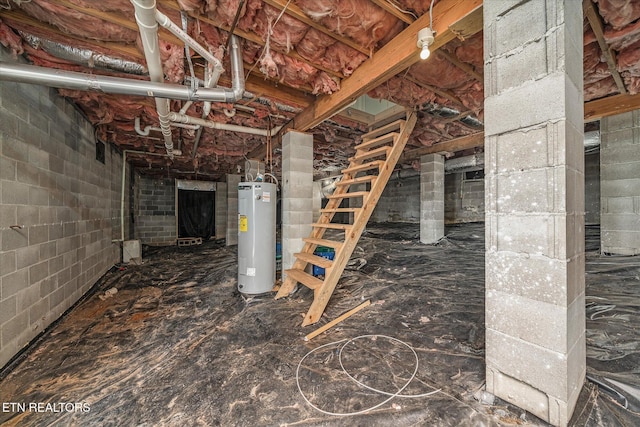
(64, 200)
(592, 188)
(232, 209)
(620, 185)
(155, 211)
(221, 210)
(463, 199)
(399, 202)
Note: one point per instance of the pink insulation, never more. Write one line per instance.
(10, 40)
(74, 22)
(620, 39)
(361, 20)
(619, 13)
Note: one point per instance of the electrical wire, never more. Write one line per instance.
(346, 342)
(431, 15)
(407, 12)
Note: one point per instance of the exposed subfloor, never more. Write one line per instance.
(178, 345)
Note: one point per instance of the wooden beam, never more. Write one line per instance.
(357, 115)
(119, 20)
(339, 319)
(442, 92)
(610, 106)
(253, 38)
(461, 65)
(469, 25)
(388, 7)
(394, 57)
(453, 145)
(595, 21)
(296, 12)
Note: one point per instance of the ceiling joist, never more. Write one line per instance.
(394, 10)
(295, 12)
(608, 54)
(391, 59)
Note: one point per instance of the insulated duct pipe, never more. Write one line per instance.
(145, 18)
(84, 57)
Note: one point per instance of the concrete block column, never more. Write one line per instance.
(232, 209)
(221, 210)
(297, 193)
(620, 184)
(431, 198)
(534, 205)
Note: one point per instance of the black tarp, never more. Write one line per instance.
(196, 213)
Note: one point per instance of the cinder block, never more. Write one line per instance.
(27, 256)
(27, 297)
(513, 18)
(14, 239)
(7, 263)
(8, 216)
(38, 234)
(550, 326)
(14, 327)
(38, 272)
(528, 64)
(7, 169)
(15, 193)
(515, 112)
(7, 309)
(538, 367)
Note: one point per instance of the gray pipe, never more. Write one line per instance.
(146, 20)
(32, 74)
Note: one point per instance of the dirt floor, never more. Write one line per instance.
(177, 345)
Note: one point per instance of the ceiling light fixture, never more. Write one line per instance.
(425, 39)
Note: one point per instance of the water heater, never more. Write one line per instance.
(256, 237)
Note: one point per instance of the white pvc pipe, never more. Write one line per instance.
(145, 17)
(181, 118)
(163, 20)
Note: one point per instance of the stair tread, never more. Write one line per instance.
(339, 210)
(384, 129)
(323, 242)
(363, 167)
(369, 144)
(348, 195)
(303, 277)
(314, 259)
(358, 180)
(332, 225)
(381, 151)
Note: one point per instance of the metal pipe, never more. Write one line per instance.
(32, 74)
(145, 18)
(181, 118)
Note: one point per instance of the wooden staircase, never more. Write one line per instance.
(379, 152)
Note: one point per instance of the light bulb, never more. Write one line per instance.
(424, 53)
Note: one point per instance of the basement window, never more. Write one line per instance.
(100, 151)
(474, 175)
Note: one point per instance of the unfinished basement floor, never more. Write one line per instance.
(177, 345)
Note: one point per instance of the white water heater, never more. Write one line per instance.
(256, 237)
